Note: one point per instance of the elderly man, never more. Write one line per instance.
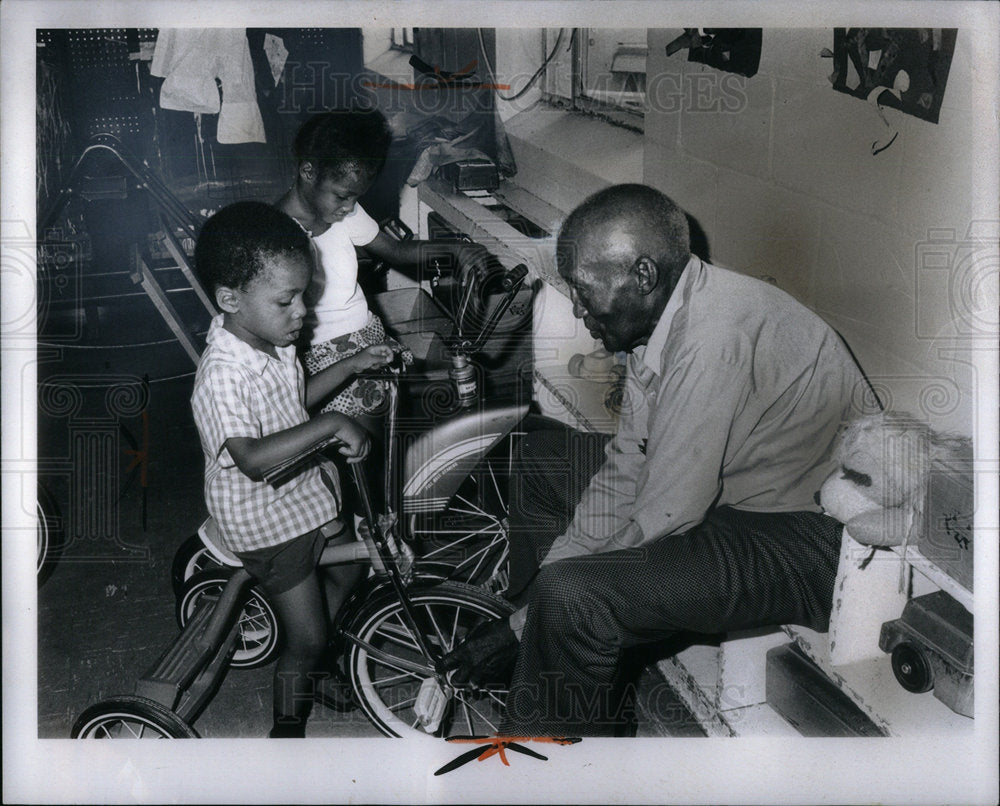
(701, 517)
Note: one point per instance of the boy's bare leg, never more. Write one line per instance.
(302, 613)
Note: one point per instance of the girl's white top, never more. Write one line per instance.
(336, 302)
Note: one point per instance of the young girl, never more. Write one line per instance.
(250, 405)
(339, 155)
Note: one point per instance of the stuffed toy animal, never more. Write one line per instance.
(895, 479)
(897, 482)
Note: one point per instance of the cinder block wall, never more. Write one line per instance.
(893, 250)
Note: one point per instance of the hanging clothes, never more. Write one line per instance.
(191, 59)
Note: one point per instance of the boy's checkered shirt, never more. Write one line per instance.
(240, 391)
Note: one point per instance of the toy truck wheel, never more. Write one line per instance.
(912, 669)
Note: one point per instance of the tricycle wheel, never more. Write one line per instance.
(191, 558)
(130, 717)
(911, 668)
(49, 532)
(259, 640)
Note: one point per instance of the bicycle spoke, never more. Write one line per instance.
(476, 509)
(493, 726)
(454, 627)
(445, 646)
(468, 719)
(396, 667)
(467, 535)
(494, 525)
(482, 555)
(496, 490)
(391, 681)
(501, 701)
(401, 635)
(404, 704)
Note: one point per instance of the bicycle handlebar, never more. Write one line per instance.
(511, 283)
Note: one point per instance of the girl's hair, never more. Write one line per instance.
(342, 141)
(235, 242)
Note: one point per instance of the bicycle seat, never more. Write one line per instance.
(209, 534)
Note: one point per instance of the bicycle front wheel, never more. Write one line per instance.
(387, 678)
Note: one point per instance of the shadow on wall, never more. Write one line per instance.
(699, 240)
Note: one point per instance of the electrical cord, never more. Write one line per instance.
(538, 72)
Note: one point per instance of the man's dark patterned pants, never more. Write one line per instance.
(736, 570)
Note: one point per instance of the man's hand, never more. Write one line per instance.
(485, 657)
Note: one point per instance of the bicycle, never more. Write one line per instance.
(395, 629)
(463, 525)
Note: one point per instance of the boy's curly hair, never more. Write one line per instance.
(343, 141)
(234, 243)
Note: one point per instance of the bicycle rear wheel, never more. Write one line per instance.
(260, 636)
(49, 533)
(470, 536)
(388, 670)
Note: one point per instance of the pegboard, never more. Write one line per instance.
(105, 47)
(122, 126)
(311, 36)
(107, 84)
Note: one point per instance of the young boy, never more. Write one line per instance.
(249, 403)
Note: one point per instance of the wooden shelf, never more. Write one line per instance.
(470, 216)
(582, 400)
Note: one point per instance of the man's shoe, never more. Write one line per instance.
(486, 657)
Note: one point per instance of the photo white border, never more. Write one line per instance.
(919, 770)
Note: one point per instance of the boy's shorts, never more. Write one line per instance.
(280, 568)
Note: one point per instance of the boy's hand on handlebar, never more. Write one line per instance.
(353, 439)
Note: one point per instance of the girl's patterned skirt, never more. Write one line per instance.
(362, 395)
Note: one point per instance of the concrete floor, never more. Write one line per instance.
(107, 611)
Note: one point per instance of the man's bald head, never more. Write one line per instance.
(621, 252)
(625, 222)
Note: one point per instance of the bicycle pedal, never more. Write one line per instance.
(432, 699)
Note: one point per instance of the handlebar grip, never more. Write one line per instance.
(515, 275)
